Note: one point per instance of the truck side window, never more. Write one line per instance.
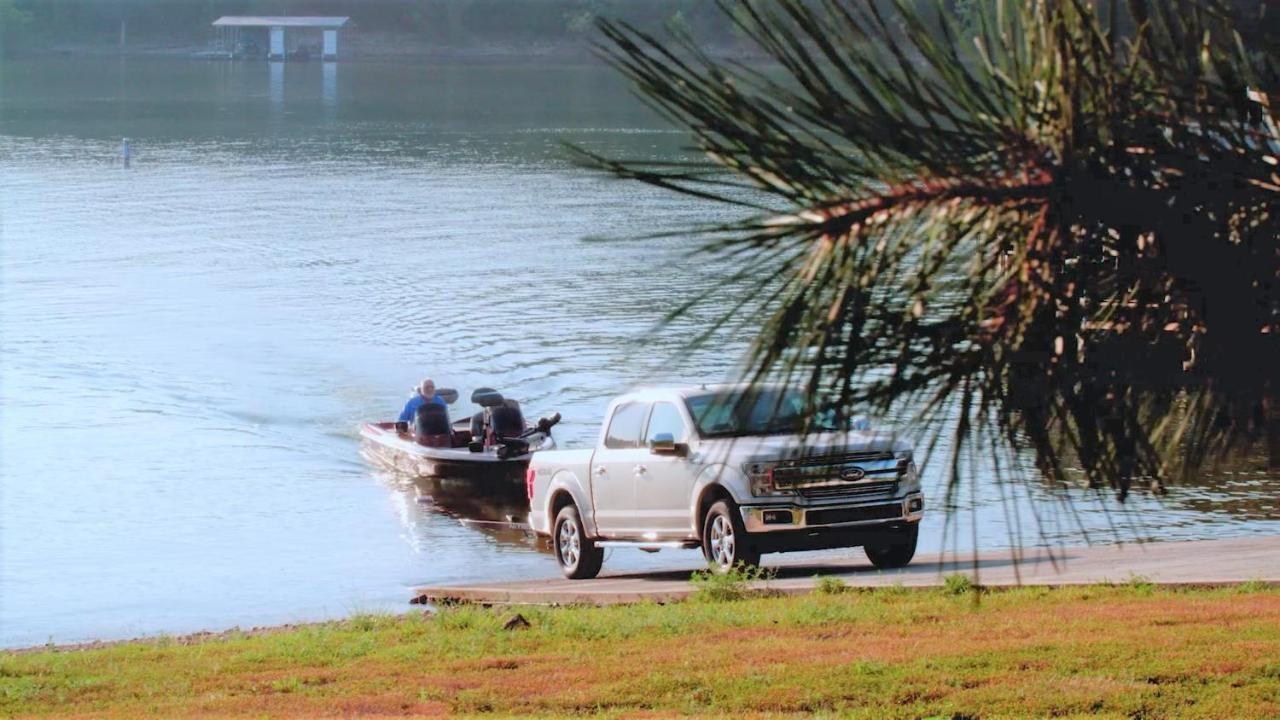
(666, 419)
(624, 428)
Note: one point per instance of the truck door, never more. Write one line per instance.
(613, 472)
(664, 483)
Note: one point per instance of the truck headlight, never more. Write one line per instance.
(760, 478)
(907, 471)
(906, 464)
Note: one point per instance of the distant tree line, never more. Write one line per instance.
(35, 24)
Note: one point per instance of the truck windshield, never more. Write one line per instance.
(766, 411)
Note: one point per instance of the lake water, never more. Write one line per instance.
(188, 346)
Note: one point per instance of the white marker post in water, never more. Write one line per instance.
(125, 152)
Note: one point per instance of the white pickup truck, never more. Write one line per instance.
(724, 468)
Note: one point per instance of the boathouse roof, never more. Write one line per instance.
(283, 21)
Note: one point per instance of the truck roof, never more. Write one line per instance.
(673, 392)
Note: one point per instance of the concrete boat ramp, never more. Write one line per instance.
(1192, 563)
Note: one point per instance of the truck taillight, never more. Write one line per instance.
(529, 476)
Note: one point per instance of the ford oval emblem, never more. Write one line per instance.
(852, 474)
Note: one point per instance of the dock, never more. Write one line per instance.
(1188, 564)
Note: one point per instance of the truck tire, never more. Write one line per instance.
(894, 554)
(725, 542)
(577, 554)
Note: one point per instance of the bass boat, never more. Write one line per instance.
(495, 443)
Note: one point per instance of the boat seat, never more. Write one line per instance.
(487, 398)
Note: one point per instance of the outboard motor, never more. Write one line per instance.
(431, 425)
(506, 430)
(501, 425)
(505, 421)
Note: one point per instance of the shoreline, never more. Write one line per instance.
(370, 50)
(212, 636)
(198, 637)
(791, 579)
(1175, 564)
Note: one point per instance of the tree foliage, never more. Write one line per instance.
(1055, 231)
(443, 21)
(13, 22)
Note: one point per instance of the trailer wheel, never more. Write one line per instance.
(577, 554)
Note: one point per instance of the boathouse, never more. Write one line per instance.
(250, 35)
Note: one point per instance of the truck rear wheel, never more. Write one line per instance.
(894, 554)
(725, 542)
(577, 554)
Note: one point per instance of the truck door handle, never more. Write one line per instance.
(641, 470)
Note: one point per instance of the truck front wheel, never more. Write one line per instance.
(725, 542)
(897, 553)
(577, 554)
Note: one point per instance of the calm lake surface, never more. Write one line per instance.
(188, 346)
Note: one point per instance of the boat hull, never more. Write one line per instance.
(399, 453)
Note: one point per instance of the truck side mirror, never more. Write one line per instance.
(665, 444)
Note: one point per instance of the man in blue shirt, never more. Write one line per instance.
(426, 393)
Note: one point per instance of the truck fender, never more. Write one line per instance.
(715, 478)
(567, 481)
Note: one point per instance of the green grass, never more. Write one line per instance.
(958, 585)
(1131, 650)
(830, 586)
(711, 585)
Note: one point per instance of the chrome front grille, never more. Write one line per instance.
(840, 459)
(863, 474)
(852, 490)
